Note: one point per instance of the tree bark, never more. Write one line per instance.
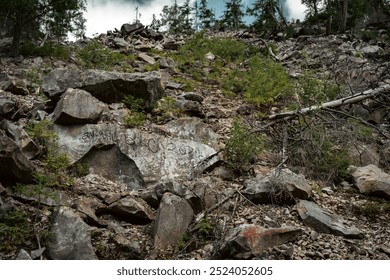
(16, 38)
(335, 103)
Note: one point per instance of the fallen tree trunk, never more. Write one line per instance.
(334, 103)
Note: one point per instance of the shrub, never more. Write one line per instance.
(135, 119)
(50, 49)
(242, 147)
(15, 230)
(94, 55)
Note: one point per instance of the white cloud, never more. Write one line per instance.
(296, 9)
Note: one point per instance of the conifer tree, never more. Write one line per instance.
(206, 15)
(233, 14)
(268, 15)
(28, 17)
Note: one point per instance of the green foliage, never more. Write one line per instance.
(267, 81)
(41, 133)
(322, 155)
(373, 209)
(95, 55)
(150, 68)
(15, 230)
(242, 146)
(233, 14)
(133, 103)
(315, 91)
(168, 107)
(205, 229)
(135, 119)
(50, 49)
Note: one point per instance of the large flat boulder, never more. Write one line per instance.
(109, 87)
(324, 221)
(157, 156)
(372, 180)
(251, 240)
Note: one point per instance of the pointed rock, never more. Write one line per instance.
(7, 106)
(324, 221)
(246, 240)
(173, 218)
(78, 107)
(71, 237)
(14, 165)
(147, 58)
(21, 138)
(133, 210)
(372, 180)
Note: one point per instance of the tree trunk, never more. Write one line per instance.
(344, 15)
(16, 38)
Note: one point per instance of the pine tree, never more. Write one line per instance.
(177, 19)
(206, 15)
(27, 18)
(268, 14)
(233, 14)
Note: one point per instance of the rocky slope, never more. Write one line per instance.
(78, 181)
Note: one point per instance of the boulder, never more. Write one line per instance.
(158, 157)
(109, 162)
(133, 210)
(78, 107)
(120, 43)
(147, 58)
(128, 29)
(166, 62)
(372, 180)
(17, 87)
(193, 96)
(324, 221)
(21, 138)
(14, 165)
(280, 187)
(23, 255)
(109, 87)
(248, 240)
(7, 106)
(173, 218)
(71, 237)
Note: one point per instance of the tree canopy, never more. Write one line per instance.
(32, 18)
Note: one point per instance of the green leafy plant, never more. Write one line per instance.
(15, 230)
(135, 119)
(168, 107)
(95, 55)
(242, 146)
(50, 49)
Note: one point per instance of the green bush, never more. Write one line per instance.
(135, 119)
(95, 55)
(15, 230)
(50, 49)
(242, 146)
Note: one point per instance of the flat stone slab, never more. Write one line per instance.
(156, 156)
(324, 221)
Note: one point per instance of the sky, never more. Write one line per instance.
(104, 15)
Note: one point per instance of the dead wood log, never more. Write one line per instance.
(371, 93)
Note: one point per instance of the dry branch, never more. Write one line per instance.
(371, 93)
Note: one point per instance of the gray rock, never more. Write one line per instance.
(109, 87)
(7, 106)
(156, 156)
(247, 240)
(41, 195)
(372, 180)
(282, 187)
(23, 255)
(78, 107)
(17, 87)
(14, 165)
(193, 96)
(109, 162)
(127, 29)
(120, 43)
(173, 218)
(21, 138)
(133, 210)
(71, 237)
(193, 108)
(326, 222)
(172, 85)
(165, 63)
(147, 58)
(6, 206)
